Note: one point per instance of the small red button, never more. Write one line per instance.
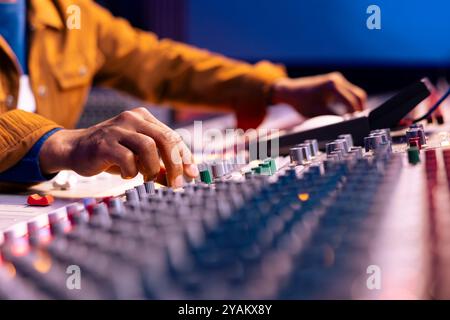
(38, 200)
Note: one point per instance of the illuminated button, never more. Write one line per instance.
(38, 200)
(413, 155)
(303, 197)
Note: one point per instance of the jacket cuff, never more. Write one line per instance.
(19, 131)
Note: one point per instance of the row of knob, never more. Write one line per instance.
(304, 152)
(378, 141)
(216, 169)
(342, 148)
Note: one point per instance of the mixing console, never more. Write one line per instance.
(349, 222)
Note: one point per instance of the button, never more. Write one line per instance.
(38, 200)
(83, 70)
(42, 90)
(9, 101)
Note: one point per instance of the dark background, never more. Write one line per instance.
(310, 37)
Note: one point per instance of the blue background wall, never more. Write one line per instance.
(323, 32)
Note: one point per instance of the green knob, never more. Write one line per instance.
(205, 176)
(413, 155)
(265, 168)
(272, 164)
(256, 170)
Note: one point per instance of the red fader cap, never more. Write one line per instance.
(38, 200)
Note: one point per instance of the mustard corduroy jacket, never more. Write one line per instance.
(64, 63)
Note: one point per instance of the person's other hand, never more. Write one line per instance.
(312, 96)
(129, 143)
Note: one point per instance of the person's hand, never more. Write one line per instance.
(127, 144)
(312, 96)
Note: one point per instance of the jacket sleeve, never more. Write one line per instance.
(168, 72)
(19, 131)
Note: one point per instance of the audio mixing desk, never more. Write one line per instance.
(348, 221)
(309, 225)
